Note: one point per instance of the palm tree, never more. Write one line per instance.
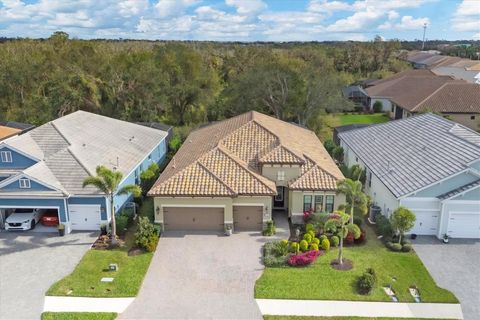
(354, 194)
(338, 223)
(107, 181)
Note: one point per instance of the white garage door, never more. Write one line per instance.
(85, 217)
(426, 223)
(464, 225)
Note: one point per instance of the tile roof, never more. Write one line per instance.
(409, 154)
(232, 151)
(70, 148)
(457, 97)
(6, 132)
(457, 73)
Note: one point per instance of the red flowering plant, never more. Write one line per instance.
(307, 215)
(303, 259)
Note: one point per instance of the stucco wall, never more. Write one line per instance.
(226, 203)
(291, 172)
(295, 205)
(386, 104)
(466, 120)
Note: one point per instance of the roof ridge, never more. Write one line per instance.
(199, 163)
(79, 162)
(429, 96)
(245, 168)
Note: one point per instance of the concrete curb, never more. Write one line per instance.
(81, 304)
(329, 308)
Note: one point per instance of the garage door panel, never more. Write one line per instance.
(85, 217)
(426, 222)
(248, 218)
(464, 225)
(193, 219)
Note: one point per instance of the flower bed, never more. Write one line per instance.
(304, 258)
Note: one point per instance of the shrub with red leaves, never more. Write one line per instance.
(303, 259)
(307, 215)
(362, 238)
(349, 239)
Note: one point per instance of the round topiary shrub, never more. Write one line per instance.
(314, 246)
(325, 244)
(334, 241)
(407, 247)
(397, 247)
(358, 221)
(284, 242)
(316, 241)
(307, 237)
(303, 245)
(322, 237)
(366, 282)
(312, 233)
(309, 227)
(294, 247)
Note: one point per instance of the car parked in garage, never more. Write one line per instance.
(23, 219)
(50, 218)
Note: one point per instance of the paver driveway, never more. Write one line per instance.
(30, 263)
(454, 266)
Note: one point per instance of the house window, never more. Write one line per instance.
(370, 180)
(279, 196)
(6, 156)
(472, 117)
(24, 183)
(307, 203)
(329, 203)
(318, 203)
(281, 175)
(149, 157)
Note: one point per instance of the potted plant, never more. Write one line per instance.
(228, 230)
(445, 238)
(61, 229)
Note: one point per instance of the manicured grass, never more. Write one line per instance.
(78, 316)
(84, 281)
(333, 318)
(346, 119)
(320, 281)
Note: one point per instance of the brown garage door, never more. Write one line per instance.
(247, 218)
(194, 219)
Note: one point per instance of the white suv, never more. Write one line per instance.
(23, 219)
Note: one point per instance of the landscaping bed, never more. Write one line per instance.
(78, 316)
(320, 281)
(84, 281)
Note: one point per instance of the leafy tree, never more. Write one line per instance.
(354, 195)
(329, 145)
(107, 181)
(403, 221)
(338, 154)
(354, 172)
(338, 223)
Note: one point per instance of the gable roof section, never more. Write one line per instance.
(70, 148)
(231, 151)
(410, 154)
(459, 97)
(6, 132)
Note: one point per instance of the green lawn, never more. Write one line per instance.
(346, 119)
(320, 281)
(78, 316)
(84, 281)
(333, 318)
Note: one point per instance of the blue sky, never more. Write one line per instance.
(242, 20)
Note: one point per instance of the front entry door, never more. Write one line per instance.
(279, 200)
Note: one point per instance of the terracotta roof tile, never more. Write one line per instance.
(459, 97)
(315, 179)
(281, 155)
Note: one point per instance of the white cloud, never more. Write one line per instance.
(476, 36)
(247, 7)
(326, 6)
(467, 16)
(357, 21)
(392, 15)
(169, 8)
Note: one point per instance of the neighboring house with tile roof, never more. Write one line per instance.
(234, 172)
(45, 167)
(426, 163)
(414, 91)
(11, 128)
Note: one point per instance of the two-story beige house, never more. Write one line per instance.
(235, 172)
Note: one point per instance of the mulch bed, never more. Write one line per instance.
(135, 251)
(346, 265)
(103, 242)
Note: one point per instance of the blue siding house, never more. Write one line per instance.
(45, 167)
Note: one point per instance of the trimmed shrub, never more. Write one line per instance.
(270, 230)
(303, 245)
(337, 154)
(326, 244)
(316, 241)
(407, 247)
(121, 223)
(378, 107)
(294, 247)
(303, 259)
(322, 237)
(279, 248)
(314, 246)
(362, 238)
(405, 241)
(367, 281)
(349, 239)
(274, 254)
(284, 242)
(335, 241)
(329, 145)
(307, 237)
(146, 236)
(384, 227)
(311, 233)
(273, 261)
(309, 227)
(397, 247)
(358, 221)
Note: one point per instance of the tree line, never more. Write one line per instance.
(183, 83)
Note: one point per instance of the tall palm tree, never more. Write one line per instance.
(354, 194)
(107, 181)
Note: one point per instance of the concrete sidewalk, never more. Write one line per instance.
(80, 304)
(327, 308)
